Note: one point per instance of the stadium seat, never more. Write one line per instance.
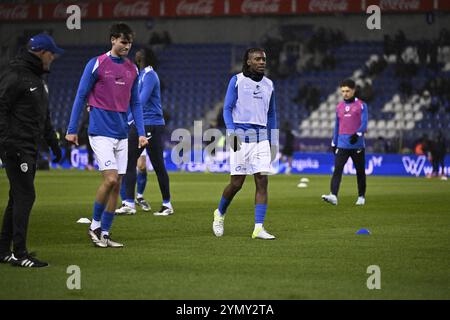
(381, 124)
(399, 115)
(390, 134)
(418, 116)
(390, 125)
(388, 107)
(398, 107)
(324, 115)
(416, 107)
(410, 125)
(400, 125)
(409, 116)
(407, 107)
(305, 133)
(314, 115)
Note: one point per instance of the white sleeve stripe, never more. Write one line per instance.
(95, 66)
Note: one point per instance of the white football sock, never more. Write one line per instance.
(130, 204)
(258, 225)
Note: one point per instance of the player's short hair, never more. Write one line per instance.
(249, 51)
(348, 83)
(121, 29)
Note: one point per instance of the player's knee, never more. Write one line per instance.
(112, 181)
(236, 186)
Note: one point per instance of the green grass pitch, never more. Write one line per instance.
(316, 255)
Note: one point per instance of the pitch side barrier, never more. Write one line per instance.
(302, 163)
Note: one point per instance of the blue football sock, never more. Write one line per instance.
(223, 205)
(98, 210)
(260, 213)
(141, 181)
(107, 220)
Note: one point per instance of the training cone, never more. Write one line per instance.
(306, 180)
(363, 231)
(84, 220)
(302, 185)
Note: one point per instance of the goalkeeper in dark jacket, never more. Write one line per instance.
(348, 141)
(24, 122)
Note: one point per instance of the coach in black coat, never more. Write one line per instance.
(24, 122)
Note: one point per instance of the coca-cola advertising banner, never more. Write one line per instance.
(135, 9)
(18, 12)
(403, 5)
(131, 9)
(58, 11)
(329, 6)
(186, 8)
(261, 7)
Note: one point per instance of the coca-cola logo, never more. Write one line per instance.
(404, 5)
(19, 12)
(198, 7)
(260, 6)
(135, 9)
(60, 11)
(328, 5)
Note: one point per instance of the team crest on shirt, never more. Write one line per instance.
(24, 167)
(347, 108)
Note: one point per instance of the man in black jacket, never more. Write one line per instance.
(24, 121)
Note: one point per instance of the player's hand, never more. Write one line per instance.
(72, 138)
(353, 138)
(56, 152)
(234, 142)
(142, 141)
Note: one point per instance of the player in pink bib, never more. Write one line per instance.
(348, 141)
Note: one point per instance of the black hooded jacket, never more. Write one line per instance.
(24, 114)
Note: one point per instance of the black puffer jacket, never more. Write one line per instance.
(24, 114)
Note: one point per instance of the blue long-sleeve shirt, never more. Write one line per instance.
(150, 97)
(103, 122)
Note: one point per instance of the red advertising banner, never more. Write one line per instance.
(130, 9)
(58, 11)
(402, 5)
(188, 8)
(443, 5)
(329, 6)
(261, 7)
(18, 12)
